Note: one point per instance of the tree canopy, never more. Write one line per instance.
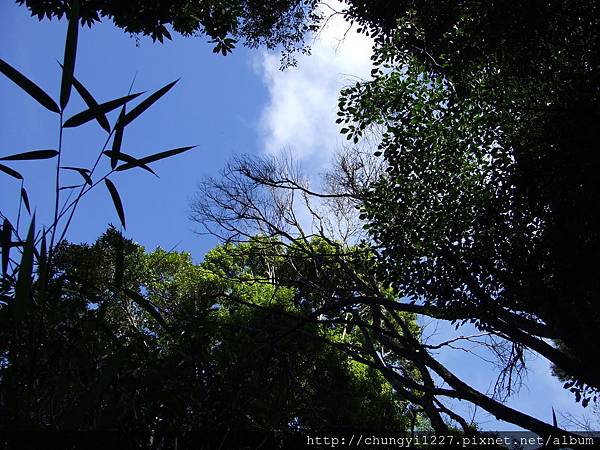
(489, 208)
(178, 347)
(280, 23)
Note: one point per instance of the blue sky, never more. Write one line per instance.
(241, 103)
(213, 106)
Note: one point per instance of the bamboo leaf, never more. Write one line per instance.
(146, 305)
(70, 54)
(42, 268)
(116, 200)
(28, 86)
(73, 186)
(157, 156)
(118, 140)
(554, 421)
(85, 173)
(129, 159)
(36, 154)
(95, 112)
(24, 279)
(91, 102)
(11, 172)
(145, 104)
(25, 200)
(5, 238)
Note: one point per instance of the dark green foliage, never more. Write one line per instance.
(278, 23)
(190, 353)
(489, 209)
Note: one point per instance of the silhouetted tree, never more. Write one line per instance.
(279, 23)
(488, 211)
(341, 282)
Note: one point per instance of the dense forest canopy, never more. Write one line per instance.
(200, 351)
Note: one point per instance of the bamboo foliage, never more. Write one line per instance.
(21, 256)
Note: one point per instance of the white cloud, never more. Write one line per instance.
(301, 112)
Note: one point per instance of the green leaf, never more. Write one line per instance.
(146, 305)
(157, 156)
(118, 140)
(128, 159)
(70, 53)
(42, 268)
(25, 199)
(95, 112)
(36, 154)
(554, 421)
(85, 173)
(144, 105)
(24, 279)
(116, 200)
(5, 238)
(28, 86)
(11, 172)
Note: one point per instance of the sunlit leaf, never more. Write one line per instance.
(116, 200)
(70, 54)
(85, 173)
(94, 112)
(129, 159)
(28, 86)
(146, 305)
(35, 154)
(157, 156)
(145, 104)
(25, 199)
(11, 172)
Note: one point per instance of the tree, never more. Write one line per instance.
(277, 23)
(150, 342)
(487, 212)
(344, 283)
